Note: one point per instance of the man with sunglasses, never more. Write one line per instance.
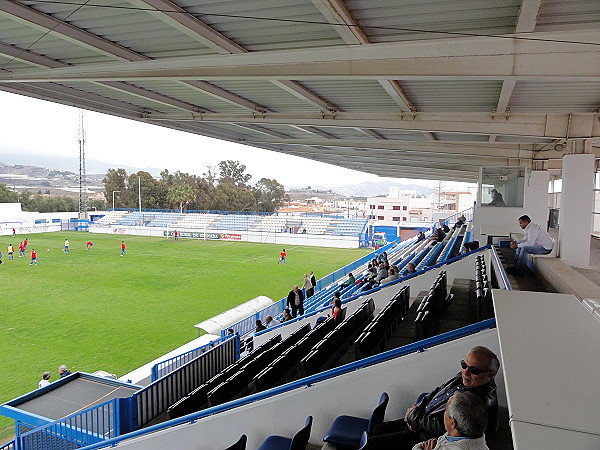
(425, 419)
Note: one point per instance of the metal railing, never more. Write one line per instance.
(167, 366)
(153, 400)
(8, 446)
(87, 427)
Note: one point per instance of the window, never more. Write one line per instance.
(502, 186)
(380, 217)
(396, 208)
(396, 219)
(380, 207)
(404, 208)
(404, 219)
(371, 206)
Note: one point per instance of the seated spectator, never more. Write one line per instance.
(425, 419)
(536, 241)
(381, 274)
(391, 277)
(497, 199)
(470, 246)
(395, 269)
(437, 236)
(465, 420)
(287, 315)
(63, 371)
(383, 257)
(336, 310)
(45, 381)
(349, 282)
(270, 322)
(420, 236)
(460, 222)
(230, 332)
(411, 267)
(259, 326)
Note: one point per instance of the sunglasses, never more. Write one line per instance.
(474, 370)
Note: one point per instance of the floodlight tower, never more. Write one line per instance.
(82, 188)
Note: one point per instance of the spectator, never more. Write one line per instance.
(420, 236)
(465, 420)
(460, 222)
(411, 267)
(470, 246)
(337, 309)
(437, 236)
(307, 286)
(497, 199)
(230, 332)
(391, 277)
(295, 300)
(313, 280)
(425, 419)
(259, 326)
(63, 371)
(286, 315)
(349, 282)
(536, 241)
(45, 381)
(270, 322)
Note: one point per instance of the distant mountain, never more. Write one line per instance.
(95, 169)
(373, 189)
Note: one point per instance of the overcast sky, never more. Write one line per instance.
(36, 127)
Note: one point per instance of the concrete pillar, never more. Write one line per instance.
(536, 197)
(576, 205)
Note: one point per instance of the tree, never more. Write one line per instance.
(149, 190)
(116, 180)
(228, 197)
(269, 195)
(180, 194)
(233, 172)
(7, 196)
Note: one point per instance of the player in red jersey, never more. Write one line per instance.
(282, 256)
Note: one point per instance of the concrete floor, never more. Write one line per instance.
(593, 272)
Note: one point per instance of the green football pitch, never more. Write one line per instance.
(95, 310)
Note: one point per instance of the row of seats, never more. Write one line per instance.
(284, 368)
(329, 350)
(483, 292)
(379, 331)
(348, 432)
(198, 398)
(432, 307)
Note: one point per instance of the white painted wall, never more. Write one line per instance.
(576, 209)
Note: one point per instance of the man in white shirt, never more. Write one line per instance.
(536, 241)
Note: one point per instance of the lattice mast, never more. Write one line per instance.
(82, 176)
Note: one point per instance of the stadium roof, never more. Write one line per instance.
(398, 88)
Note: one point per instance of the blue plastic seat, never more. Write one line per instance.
(299, 441)
(348, 430)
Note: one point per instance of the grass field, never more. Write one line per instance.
(95, 310)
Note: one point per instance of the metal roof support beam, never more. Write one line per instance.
(445, 59)
(475, 149)
(370, 133)
(262, 130)
(552, 126)
(46, 22)
(317, 132)
(525, 24)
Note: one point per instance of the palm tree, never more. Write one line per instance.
(180, 194)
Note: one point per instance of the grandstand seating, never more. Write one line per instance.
(195, 221)
(316, 225)
(235, 222)
(298, 442)
(431, 308)
(132, 219)
(111, 218)
(164, 219)
(483, 293)
(349, 227)
(347, 431)
(273, 224)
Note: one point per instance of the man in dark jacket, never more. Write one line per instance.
(425, 419)
(295, 300)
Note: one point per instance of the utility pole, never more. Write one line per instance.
(82, 178)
